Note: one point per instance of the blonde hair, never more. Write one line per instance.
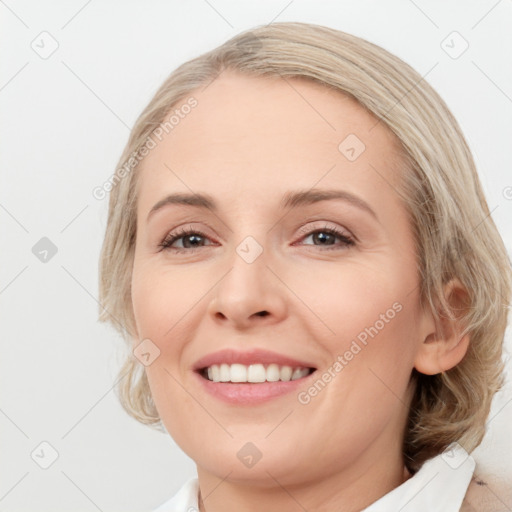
(454, 233)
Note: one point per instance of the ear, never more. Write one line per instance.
(445, 347)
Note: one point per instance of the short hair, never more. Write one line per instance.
(454, 233)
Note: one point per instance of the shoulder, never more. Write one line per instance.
(487, 493)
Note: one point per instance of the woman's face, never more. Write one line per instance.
(277, 279)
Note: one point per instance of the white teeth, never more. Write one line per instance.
(285, 373)
(297, 374)
(238, 373)
(273, 373)
(254, 373)
(224, 373)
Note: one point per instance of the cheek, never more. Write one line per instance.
(163, 301)
(163, 311)
(370, 319)
(355, 297)
(176, 407)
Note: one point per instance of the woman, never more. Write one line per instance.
(301, 257)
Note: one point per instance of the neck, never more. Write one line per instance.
(349, 490)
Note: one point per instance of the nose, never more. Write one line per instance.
(249, 294)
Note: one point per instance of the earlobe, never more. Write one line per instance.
(440, 355)
(446, 346)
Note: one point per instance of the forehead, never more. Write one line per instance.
(266, 134)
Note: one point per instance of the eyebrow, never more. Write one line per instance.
(291, 200)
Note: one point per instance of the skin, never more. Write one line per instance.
(247, 143)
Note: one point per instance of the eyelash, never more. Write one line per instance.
(183, 232)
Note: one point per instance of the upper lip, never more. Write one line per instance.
(247, 357)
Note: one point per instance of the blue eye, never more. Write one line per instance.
(327, 235)
(192, 239)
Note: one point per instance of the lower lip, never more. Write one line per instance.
(247, 393)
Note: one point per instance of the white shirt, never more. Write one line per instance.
(439, 486)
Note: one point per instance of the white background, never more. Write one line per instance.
(65, 122)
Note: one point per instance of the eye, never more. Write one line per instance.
(190, 238)
(193, 239)
(327, 236)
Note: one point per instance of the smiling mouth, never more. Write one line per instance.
(254, 373)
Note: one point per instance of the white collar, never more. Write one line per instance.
(439, 486)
